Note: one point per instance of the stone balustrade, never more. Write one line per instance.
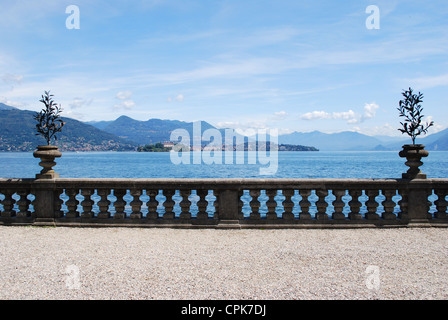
(224, 203)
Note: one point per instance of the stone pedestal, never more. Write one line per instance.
(47, 154)
(413, 153)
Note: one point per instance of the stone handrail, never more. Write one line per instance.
(224, 203)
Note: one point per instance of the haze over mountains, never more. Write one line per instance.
(126, 133)
(156, 130)
(350, 141)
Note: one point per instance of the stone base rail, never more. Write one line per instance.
(225, 203)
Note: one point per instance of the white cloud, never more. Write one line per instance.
(350, 116)
(123, 95)
(252, 125)
(80, 102)
(381, 130)
(127, 104)
(280, 115)
(316, 115)
(179, 98)
(436, 126)
(265, 121)
(10, 78)
(370, 110)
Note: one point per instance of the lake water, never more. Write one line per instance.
(160, 165)
(320, 164)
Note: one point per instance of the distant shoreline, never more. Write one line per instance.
(158, 147)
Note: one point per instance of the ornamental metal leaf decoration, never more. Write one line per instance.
(49, 121)
(411, 110)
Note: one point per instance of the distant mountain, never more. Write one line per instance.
(435, 141)
(350, 141)
(98, 124)
(341, 141)
(149, 132)
(389, 140)
(157, 130)
(126, 133)
(17, 133)
(5, 107)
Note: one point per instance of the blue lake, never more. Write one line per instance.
(320, 164)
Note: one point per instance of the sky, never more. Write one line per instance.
(289, 65)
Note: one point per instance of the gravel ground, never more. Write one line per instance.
(144, 263)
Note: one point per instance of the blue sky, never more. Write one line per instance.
(290, 65)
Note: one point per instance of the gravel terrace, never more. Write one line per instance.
(144, 263)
